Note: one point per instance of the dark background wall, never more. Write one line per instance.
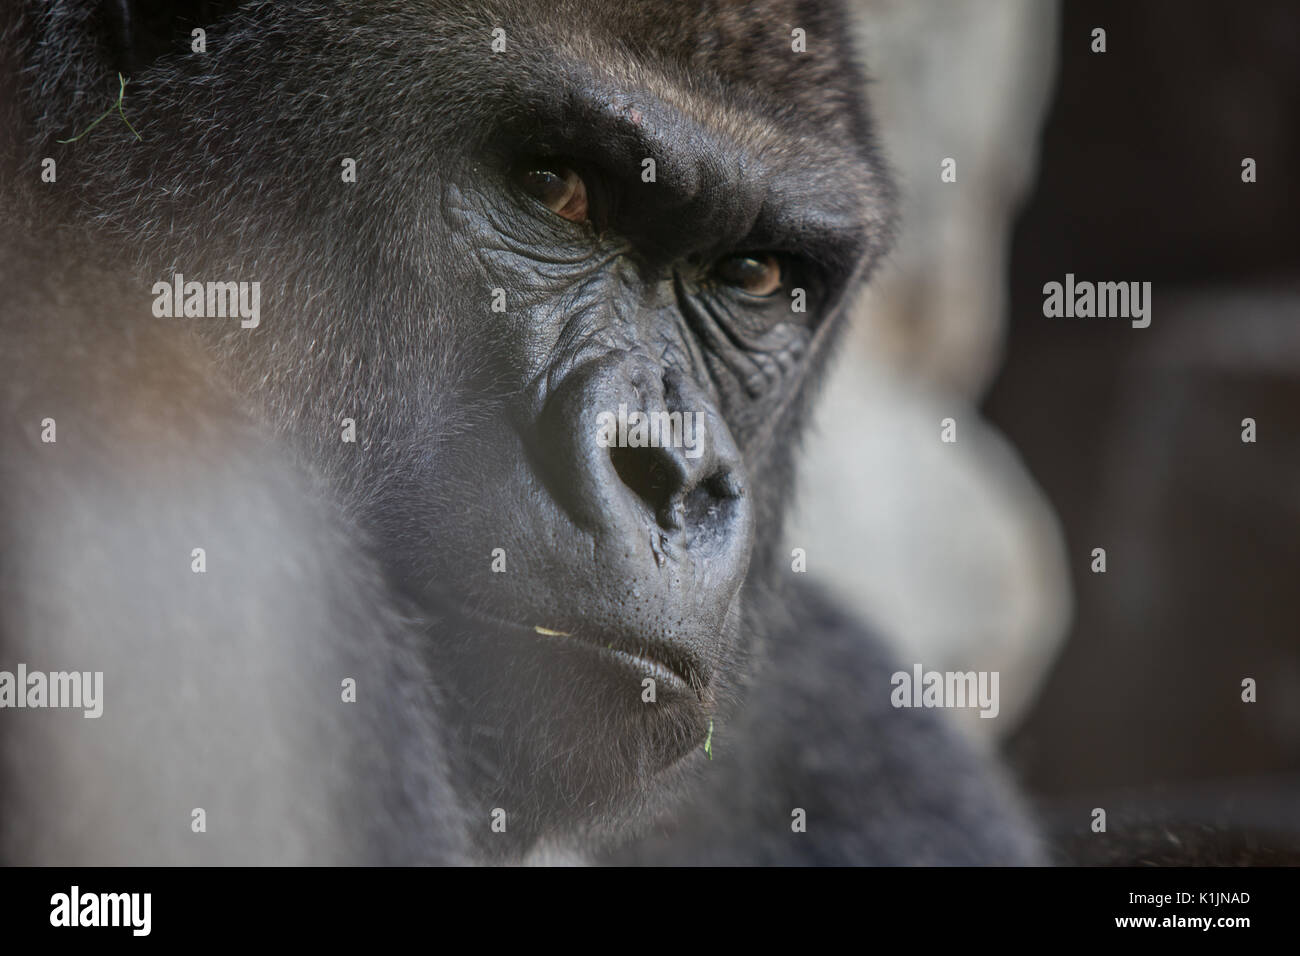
(1135, 434)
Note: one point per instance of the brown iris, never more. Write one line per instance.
(758, 274)
(559, 189)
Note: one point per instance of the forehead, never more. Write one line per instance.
(789, 62)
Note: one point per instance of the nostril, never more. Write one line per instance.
(651, 477)
(707, 505)
(724, 483)
(672, 498)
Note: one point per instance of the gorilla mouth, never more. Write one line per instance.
(672, 668)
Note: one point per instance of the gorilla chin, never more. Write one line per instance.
(582, 735)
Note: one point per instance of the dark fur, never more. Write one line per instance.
(371, 560)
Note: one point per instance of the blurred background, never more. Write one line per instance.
(1075, 434)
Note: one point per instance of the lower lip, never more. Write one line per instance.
(664, 676)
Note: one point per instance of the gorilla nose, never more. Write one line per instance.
(669, 486)
(651, 453)
(660, 456)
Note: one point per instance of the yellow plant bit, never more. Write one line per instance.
(549, 633)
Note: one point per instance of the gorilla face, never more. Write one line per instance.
(675, 295)
(660, 212)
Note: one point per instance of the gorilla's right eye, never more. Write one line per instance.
(759, 274)
(558, 188)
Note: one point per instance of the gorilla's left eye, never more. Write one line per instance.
(558, 188)
(758, 274)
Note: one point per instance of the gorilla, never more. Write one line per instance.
(362, 583)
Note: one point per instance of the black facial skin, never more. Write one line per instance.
(519, 171)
